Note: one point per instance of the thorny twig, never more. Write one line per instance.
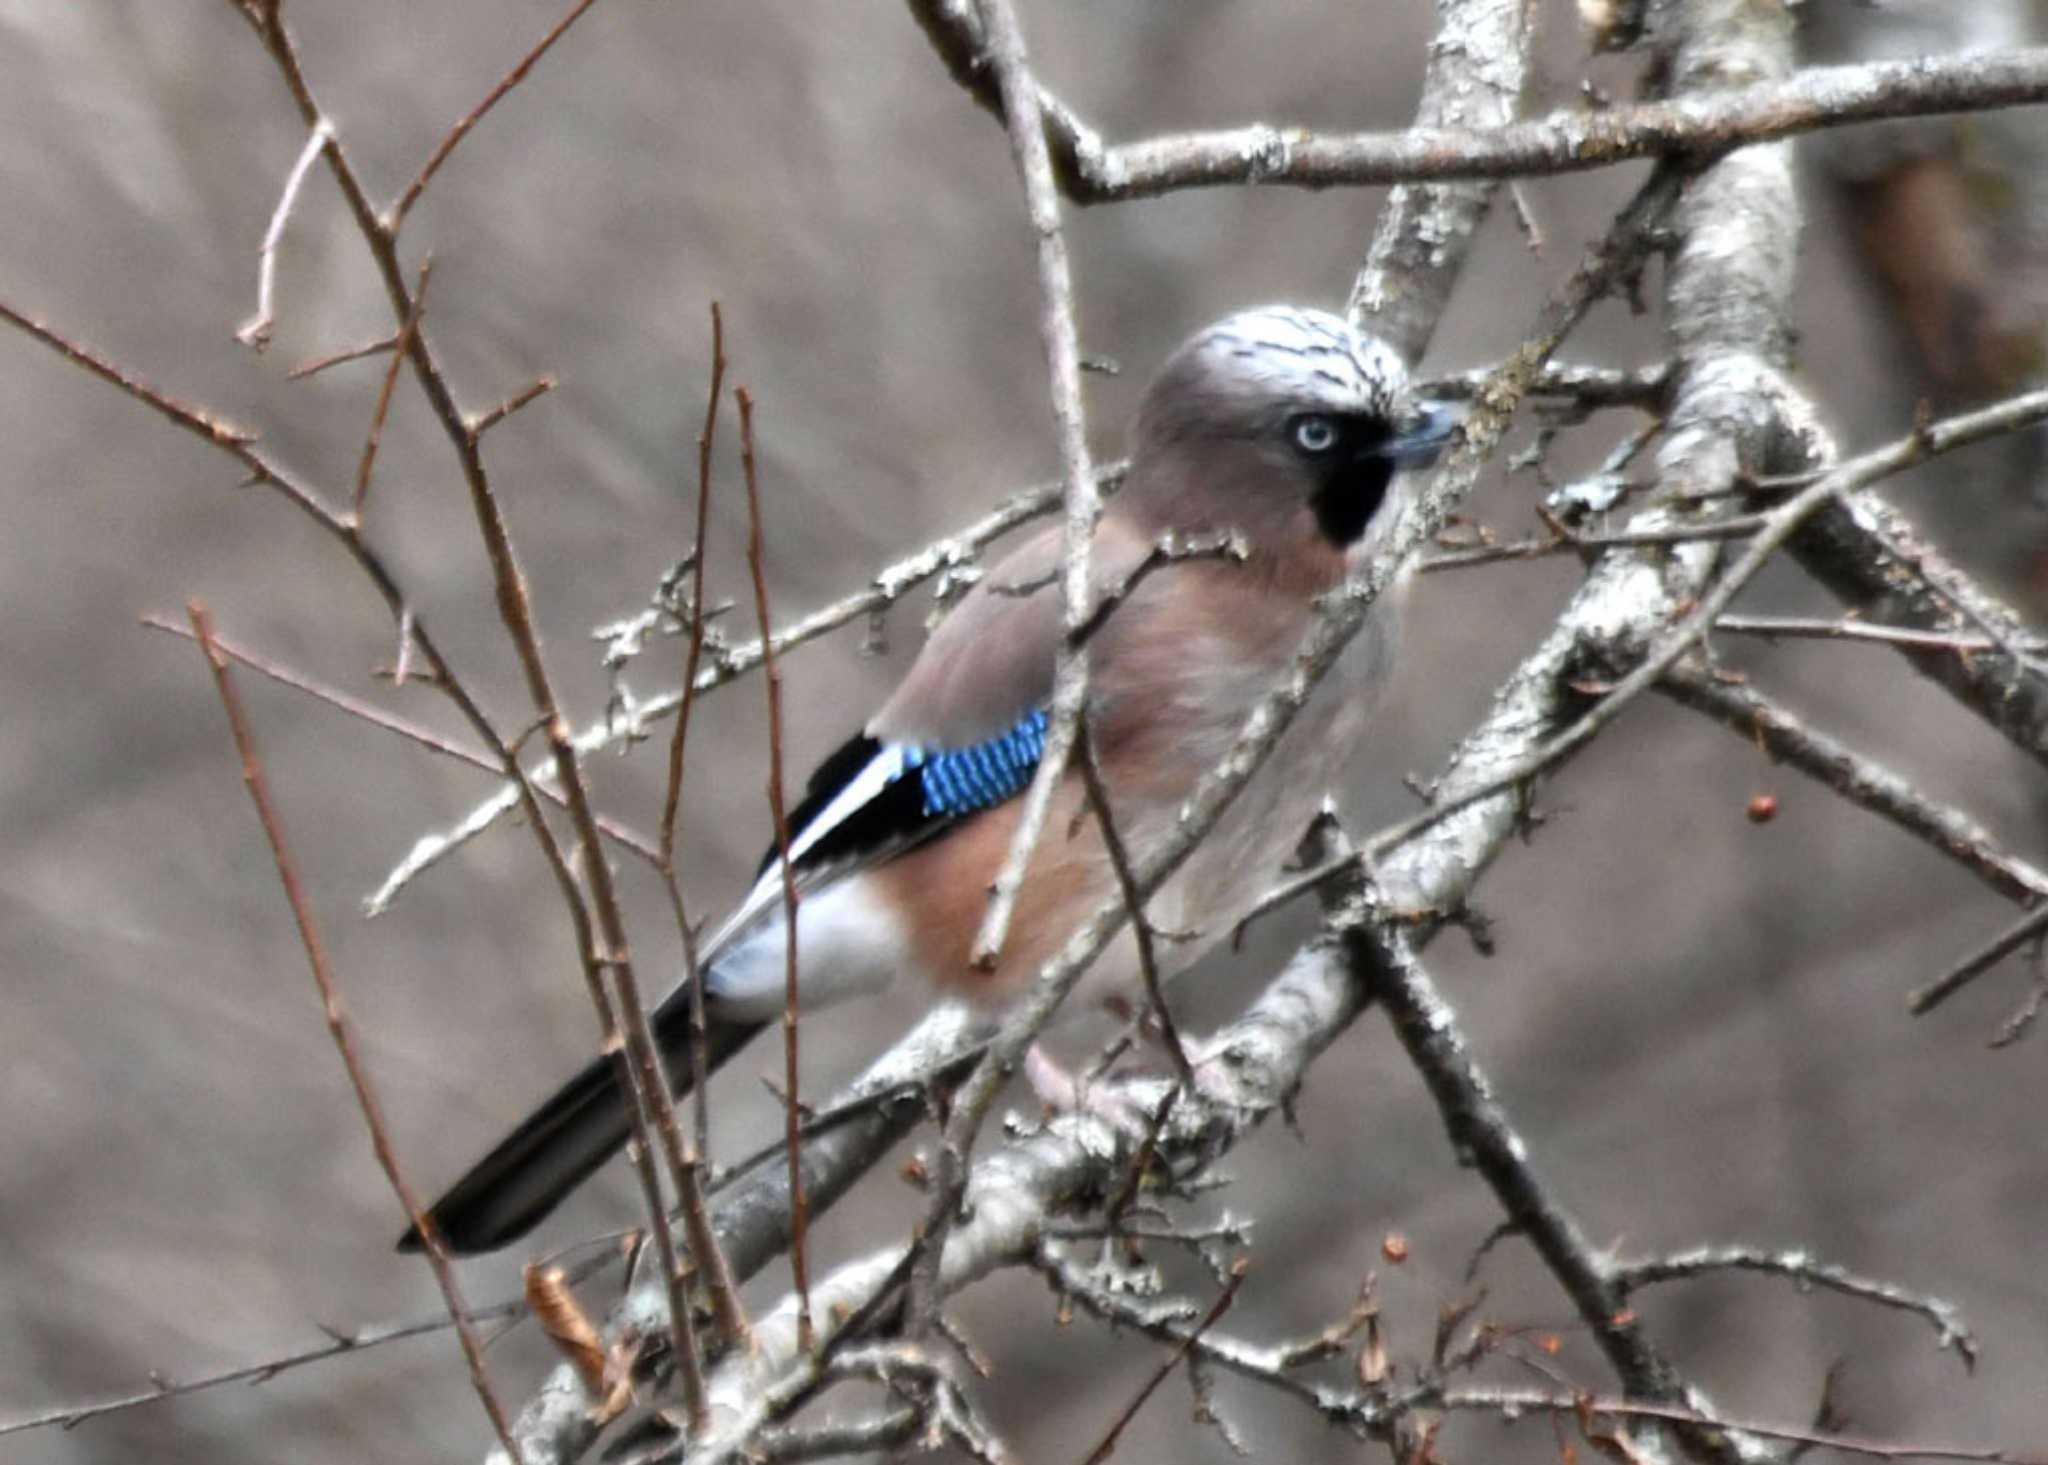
(719, 1283)
(396, 218)
(342, 1030)
(368, 462)
(597, 921)
(792, 1103)
(412, 732)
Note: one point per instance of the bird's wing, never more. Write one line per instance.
(963, 732)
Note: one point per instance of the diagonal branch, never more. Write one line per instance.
(1082, 507)
(1788, 738)
(1093, 170)
(342, 1030)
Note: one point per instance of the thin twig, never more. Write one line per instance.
(1804, 1269)
(719, 1283)
(490, 417)
(730, 663)
(2029, 927)
(792, 1102)
(1480, 1128)
(598, 923)
(312, 366)
(412, 732)
(672, 798)
(1563, 540)
(1107, 1445)
(1514, 1403)
(1787, 738)
(1168, 549)
(341, 1029)
(336, 1343)
(469, 119)
(1141, 924)
(385, 389)
(255, 332)
(1083, 506)
(1778, 628)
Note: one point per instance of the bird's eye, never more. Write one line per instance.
(1313, 433)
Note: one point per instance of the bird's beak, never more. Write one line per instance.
(1423, 437)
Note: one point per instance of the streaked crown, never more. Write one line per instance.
(1275, 358)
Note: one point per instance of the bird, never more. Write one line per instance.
(1283, 427)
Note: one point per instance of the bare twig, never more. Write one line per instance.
(1804, 1269)
(1786, 737)
(412, 732)
(1480, 1128)
(317, 364)
(1168, 549)
(2025, 1015)
(469, 119)
(1082, 507)
(719, 1284)
(490, 417)
(1141, 924)
(729, 663)
(1514, 1403)
(2030, 927)
(1563, 540)
(1107, 1445)
(1780, 628)
(342, 1030)
(385, 389)
(671, 801)
(335, 1343)
(1872, 558)
(1082, 504)
(255, 332)
(791, 1100)
(598, 924)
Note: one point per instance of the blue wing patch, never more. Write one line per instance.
(963, 780)
(868, 796)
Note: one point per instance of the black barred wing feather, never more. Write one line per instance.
(871, 799)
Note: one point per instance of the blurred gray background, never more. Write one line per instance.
(1698, 1022)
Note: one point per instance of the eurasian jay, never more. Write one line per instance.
(1284, 425)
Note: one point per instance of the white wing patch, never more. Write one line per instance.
(881, 770)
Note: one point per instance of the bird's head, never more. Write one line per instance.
(1286, 423)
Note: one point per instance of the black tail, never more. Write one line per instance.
(558, 1146)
